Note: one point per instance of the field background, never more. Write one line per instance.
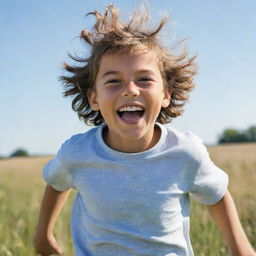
(21, 190)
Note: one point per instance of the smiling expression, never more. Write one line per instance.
(129, 92)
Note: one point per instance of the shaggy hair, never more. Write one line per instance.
(110, 35)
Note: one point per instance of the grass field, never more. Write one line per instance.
(21, 189)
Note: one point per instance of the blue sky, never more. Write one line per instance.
(35, 37)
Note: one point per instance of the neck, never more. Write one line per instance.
(132, 146)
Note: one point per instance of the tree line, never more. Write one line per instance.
(20, 152)
(236, 136)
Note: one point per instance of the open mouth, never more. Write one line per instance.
(130, 113)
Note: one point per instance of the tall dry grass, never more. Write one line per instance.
(21, 190)
(239, 161)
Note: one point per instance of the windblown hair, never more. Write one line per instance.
(110, 35)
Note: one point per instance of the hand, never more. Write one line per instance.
(47, 246)
(252, 254)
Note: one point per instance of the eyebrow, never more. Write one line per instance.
(115, 72)
(111, 72)
(148, 71)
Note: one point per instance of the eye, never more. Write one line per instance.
(113, 81)
(146, 79)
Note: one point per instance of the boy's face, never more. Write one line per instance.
(129, 93)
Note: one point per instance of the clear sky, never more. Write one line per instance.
(35, 37)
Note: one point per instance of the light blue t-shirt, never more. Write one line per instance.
(135, 204)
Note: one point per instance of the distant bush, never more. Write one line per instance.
(19, 152)
(250, 134)
(235, 136)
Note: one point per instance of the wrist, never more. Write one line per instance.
(243, 251)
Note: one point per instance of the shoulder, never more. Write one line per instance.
(77, 145)
(188, 144)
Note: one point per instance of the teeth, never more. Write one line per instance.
(130, 108)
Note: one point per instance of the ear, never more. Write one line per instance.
(92, 97)
(166, 99)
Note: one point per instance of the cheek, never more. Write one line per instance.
(110, 94)
(106, 100)
(156, 95)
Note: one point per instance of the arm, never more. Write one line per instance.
(52, 203)
(226, 218)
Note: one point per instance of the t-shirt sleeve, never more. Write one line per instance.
(207, 182)
(57, 174)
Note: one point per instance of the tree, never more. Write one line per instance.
(232, 135)
(250, 133)
(19, 152)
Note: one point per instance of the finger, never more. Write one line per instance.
(57, 248)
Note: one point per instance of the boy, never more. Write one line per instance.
(133, 175)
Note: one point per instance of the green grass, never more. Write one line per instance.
(21, 190)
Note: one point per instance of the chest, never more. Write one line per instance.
(125, 192)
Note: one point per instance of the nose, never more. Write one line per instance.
(131, 89)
